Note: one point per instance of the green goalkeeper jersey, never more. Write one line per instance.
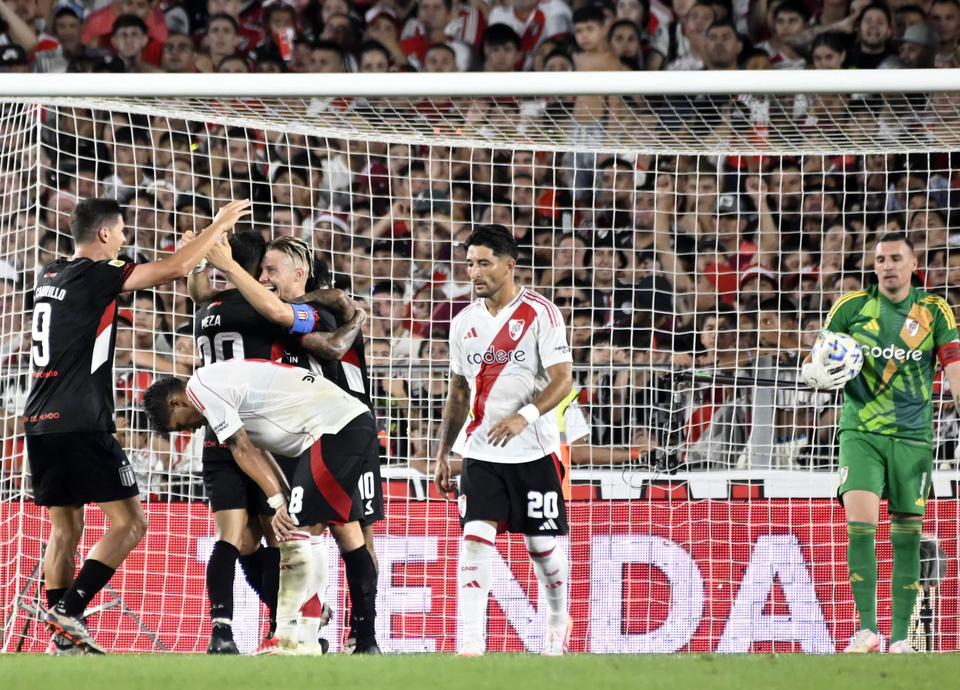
(893, 393)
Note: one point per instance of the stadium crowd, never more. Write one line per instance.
(659, 263)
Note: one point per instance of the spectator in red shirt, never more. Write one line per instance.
(432, 18)
(130, 41)
(99, 25)
(382, 27)
(249, 29)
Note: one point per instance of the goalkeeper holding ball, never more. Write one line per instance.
(886, 426)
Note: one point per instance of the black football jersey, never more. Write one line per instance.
(74, 335)
(227, 327)
(350, 372)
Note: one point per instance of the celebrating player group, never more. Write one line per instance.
(291, 444)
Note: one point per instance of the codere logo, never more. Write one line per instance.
(891, 352)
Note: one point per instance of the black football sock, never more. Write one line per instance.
(270, 582)
(252, 566)
(54, 596)
(220, 573)
(93, 577)
(362, 581)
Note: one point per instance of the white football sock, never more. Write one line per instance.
(312, 609)
(474, 577)
(296, 574)
(550, 564)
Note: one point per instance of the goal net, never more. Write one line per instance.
(693, 245)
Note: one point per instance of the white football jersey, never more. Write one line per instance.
(283, 409)
(504, 359)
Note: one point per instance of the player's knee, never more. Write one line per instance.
(138, 526)
(540, 547)
(478, 537)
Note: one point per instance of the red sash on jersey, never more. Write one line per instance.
(532, 32)
(489, 373)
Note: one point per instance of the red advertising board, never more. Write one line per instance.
(646, 576)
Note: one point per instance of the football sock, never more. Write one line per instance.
(905, 583)
(362, 581)
(312, 610)
(474, 577)
(270, 582)
(221, 569)
(862, 564)
(550, 565)
(54, 596)
(296, 574)
(93, 577)
(252, 566)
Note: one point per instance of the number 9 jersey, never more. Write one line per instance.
(73, 338)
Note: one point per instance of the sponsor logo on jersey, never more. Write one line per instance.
(118, 263)
(892, 352)
(872, 325)
(462, 505)
(472, 333)
(913, 327)
(516, 328)
(220, 427)
(843, 474)
(493, 356)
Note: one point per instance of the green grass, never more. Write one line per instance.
(494, 671)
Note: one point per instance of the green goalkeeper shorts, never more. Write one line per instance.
(897, 470)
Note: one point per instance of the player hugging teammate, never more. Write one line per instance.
(886, 427)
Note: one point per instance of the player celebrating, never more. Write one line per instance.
(68, 420)
(287, 268)
(886, 427)
(264, 406)
(510, 367)
(228, 327)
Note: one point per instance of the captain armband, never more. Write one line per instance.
(949, 353)
(304, 318)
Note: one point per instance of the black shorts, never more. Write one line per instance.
(326, 485)
(79, 468)
(526, 498)
(370, 487)
(230, 488)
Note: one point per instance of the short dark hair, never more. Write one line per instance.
(371, 46)
(589, 13)
(443, 46)
(794, 6)
(896, 237)
(500, 35)
(247, 248)
(226, 18)
(155, 402)
(321, 273)
(725, 22)
(392, 286)
(127, 20)
(90, 215)
(495, 237)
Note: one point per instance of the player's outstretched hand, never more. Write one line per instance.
(220, 256)
(283, 524)
(504, 430)
(441, 476)
(228, 215)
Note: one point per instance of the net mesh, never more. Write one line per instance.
(693, 248)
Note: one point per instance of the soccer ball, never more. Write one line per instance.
(839, 351)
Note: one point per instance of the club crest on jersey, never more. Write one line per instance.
(118, 263)
(516, 328)
(913, 327)
(462, 505)
(843, 474)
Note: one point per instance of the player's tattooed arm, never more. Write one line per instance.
(454, 415)
(334, 345)
(337, 301)
(258, 465)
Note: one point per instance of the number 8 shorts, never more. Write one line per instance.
(326, 483)
(526, 498)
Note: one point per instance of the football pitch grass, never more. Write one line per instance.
(494, 672)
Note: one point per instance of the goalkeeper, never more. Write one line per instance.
(886, 427)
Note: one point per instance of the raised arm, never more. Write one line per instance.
(182, 261)
(454, 415)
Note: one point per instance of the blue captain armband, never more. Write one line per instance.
(304, 317)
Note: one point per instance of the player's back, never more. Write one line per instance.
(228, 328)
(349, 372)
(74, 334)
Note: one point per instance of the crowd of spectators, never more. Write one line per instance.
(660, 264)
(464, 35)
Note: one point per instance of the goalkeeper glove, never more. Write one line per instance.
(819, 377)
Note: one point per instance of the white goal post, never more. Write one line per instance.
(693, 228)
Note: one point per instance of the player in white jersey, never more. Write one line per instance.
(255, 406)
(510, 365)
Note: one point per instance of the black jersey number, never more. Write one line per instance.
(40, 352)
(227, 345)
